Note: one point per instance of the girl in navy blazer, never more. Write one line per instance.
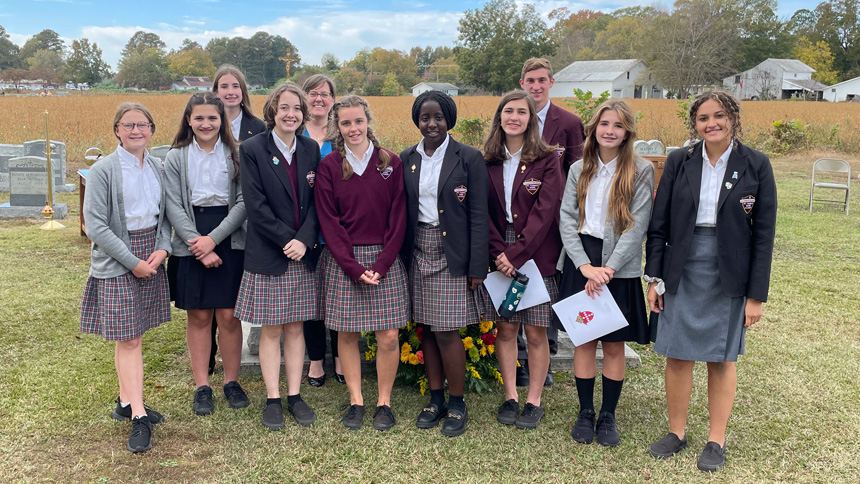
(279, 287)
(445, 251)
(524, 197)
(709, 251)
(205, 207)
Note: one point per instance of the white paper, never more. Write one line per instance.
(587, 319)
(497, 285)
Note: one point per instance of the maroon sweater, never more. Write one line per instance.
(364, 210)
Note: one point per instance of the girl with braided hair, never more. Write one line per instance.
(362, 213)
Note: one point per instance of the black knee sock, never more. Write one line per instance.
(437, 397)
(456, 403)
(611, 394)
(294, 399)
(585, 389)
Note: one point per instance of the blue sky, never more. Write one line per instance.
(340, 27)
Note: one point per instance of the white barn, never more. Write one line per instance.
(193, 84)
(445, 87)
(625, 78)
(775, 79)
(844, 91)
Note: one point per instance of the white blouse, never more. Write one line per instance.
(509, 169)
(141, 192)
(712, 181)
(236, 126)
(208, 177)
(597, 198)
(285, 150)
(428, 183)
(359, 164)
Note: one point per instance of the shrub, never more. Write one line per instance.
(584, 103)
(473, 130)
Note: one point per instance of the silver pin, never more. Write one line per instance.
(728, 185)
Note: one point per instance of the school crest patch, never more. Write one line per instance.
(584, 317)
(747, 202)
(386, 172)
(560, 150)
(312, 177)
(532, 185)
(461, 192)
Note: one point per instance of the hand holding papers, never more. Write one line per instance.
(586, 319)
(497, 285)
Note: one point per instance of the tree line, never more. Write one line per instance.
(696, 42)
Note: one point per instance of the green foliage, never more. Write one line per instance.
(472, 130)
(390, 87)
(683, 111)
(788, 136)
(85, 63)
(584, 103)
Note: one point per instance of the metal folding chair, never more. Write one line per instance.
(830, 165)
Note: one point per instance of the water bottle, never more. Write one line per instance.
(515, 292)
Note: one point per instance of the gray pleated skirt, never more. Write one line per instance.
(699, 322)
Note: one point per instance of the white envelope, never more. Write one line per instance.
(587, 319)
(497, 285)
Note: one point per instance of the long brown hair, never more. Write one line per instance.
(623, 185)
(243, 85)
(185, 134)
(348, 102)
(270, 108)
(534, 147)
(728, 102)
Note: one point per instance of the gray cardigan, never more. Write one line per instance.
(180, 211)
(622, 253)
(104, 212)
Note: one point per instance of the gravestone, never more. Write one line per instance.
(648, 148)
(28, 185)
(160, 152)
(58, 161)
(6, 153)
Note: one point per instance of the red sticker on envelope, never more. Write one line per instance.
(461, 192)
(532, 185)
(584, 317)
(312, 177)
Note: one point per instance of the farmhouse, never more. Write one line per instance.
(445, 87)
(776, 79)
(844, 91)
(625, 78)
(193, 84)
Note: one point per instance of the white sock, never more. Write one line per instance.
(124, 404)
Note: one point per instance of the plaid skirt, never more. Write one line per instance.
(266, 299)
(540, 315)
(439, 299)
(124, 307)
(319, 274)
(355, 306)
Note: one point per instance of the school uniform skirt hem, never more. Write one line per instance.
(266, 299)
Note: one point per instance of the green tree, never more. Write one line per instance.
(762, 34)
(377, 63)
(390, 87)
(145, 68)
(329, 62)
(47, 65)
(445, 69)
(85, 63)
(15, 75)
(348, 80)
(495, 41)
(838, 24)
(191, 62)
(8, 51)
(575, 34)
(44, 40)
(817, 55)
(188, 44)
(141, 41)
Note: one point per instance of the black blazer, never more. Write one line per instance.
(746, 221)
(463, 222)
(250, 126)
(269, 203)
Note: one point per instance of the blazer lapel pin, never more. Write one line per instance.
(735, 176)
(413, 168)
(728, 185)
(275, 160)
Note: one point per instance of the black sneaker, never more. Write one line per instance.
(607, 430)
(667, 446)
(203, 401)
(583, 428)
(140, 439)
(431, 416)
(273, 416)
(383, 419)
(124, 413)
(507, 414)
(455, 423)
(353, 417)
(302, 413)
(235, 395)
(530, 418)
(713, 457)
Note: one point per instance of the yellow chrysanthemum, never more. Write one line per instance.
(498, 376)
(422, 384)
(413, 359)
(492, 349)
(486, 326)
(474, 372)
(483, 351)
(405, 349)
(468, 343)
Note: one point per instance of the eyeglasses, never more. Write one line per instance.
(130, 126)
(323, 95)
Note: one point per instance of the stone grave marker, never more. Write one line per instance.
(648, 148)
(28, 185)
(6, 153)
(58, 161)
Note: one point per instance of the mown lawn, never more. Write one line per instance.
(796, 417)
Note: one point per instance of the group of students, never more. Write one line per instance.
(303, 222)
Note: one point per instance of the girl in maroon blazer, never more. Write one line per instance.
(362, 213)
(526, 185)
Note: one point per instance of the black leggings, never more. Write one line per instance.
(315, 340)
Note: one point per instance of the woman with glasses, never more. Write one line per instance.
(320, 91)
(126, 293)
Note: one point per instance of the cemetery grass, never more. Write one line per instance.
(795, 419)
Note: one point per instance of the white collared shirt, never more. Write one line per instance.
(282, 146)
(597, 198)
(359, 164)
(542, 117)
(141, 192)
(428, 183)
(207, 175)
(509, 169)
(712, 183)
(236, 126)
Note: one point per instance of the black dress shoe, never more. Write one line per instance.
(430, 416)
(550, 379)
(316, 381)
(455, 423)
(523, 374)
(340, 378)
